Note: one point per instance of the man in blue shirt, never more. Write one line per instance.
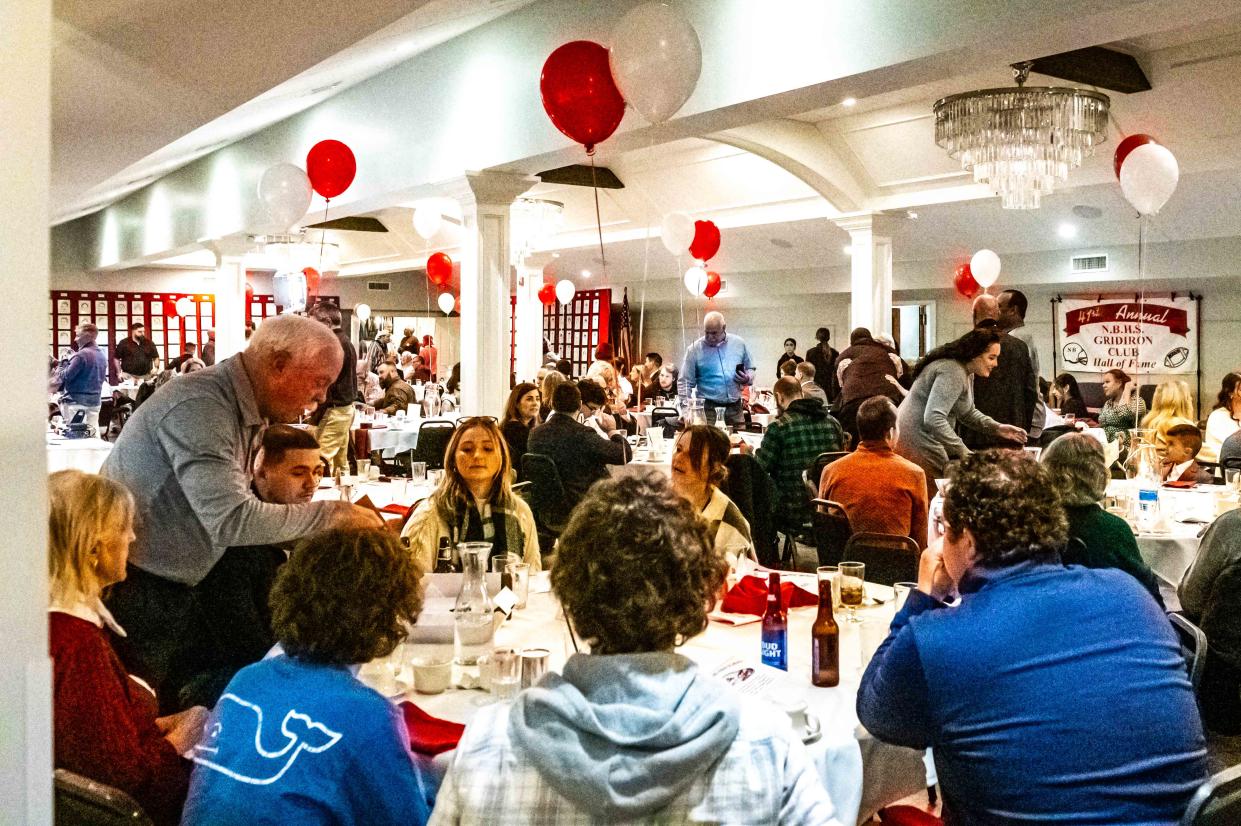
(718, 366)
(83, 378)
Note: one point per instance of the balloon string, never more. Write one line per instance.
(323, 233)
(681, 300)
(1142, 282)
(594, 185)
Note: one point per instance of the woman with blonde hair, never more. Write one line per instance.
(474, 501)
(1172, 404)
(547, 387)
(105, 723)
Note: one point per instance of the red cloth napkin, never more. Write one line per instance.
(399, 510)
(429, 735)
(749, 596)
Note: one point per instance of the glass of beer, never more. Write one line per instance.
(852, 587)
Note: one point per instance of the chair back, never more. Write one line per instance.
(433, 438)
(889, 558)
(751, 490)
(1193, 647)
(81, 801)
(814, 471)
(1147, 393)
(1231, 463)
(547, 497)
(1217, 801)
(831, 530)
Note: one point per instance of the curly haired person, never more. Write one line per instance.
(632, 731)
(1017, 685)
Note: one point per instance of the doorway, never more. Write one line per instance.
(913, 329)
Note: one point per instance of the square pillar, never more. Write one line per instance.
(485, 199)
(529, 334)
(871, 271)
(230, 293)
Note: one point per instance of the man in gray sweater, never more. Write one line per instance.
(1210, 594)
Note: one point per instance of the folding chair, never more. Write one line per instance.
(1193, 647)
(829, 524)
(81, 801)
(433, 438)
(547, 497)
(889, 558)
(813, 473)
(1217, 801)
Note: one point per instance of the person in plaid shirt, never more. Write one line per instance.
(632, 732)
(803, 431)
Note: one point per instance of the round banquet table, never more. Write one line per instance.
(76, 454)
(391, 436)
(641, 463)
(860, 773)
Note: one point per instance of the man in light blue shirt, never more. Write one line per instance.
(718, 366)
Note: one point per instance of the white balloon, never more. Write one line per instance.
(290, 290)
(985, 267)
(565, 291)
(677, 232)
(656, 60)
(185, 306)
(447, 302)
(362, 311)
(285, 192)
(695, 280)
(427, 220)
(1148, 177)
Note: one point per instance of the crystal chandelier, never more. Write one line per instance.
(296, 252)
(533, 222)
(1020, 141)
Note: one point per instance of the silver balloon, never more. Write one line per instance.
(285, 193)
(656, 60)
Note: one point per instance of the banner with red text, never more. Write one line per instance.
(1152, 335)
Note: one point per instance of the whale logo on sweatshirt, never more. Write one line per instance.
(229, 749)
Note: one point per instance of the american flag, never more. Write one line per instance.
(624, 349)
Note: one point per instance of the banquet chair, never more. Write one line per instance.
(81, 801)
(830, 528)
(889, 558)
(433, 438)
(1193, 647)
(661, 414)
(547, 498)
(814, 471)
(1217, 801)
(751, 490)
(398, 465)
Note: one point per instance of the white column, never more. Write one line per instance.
(26, 678)
(230, 294)
(529, 350)
(485, 286)
(871, 277)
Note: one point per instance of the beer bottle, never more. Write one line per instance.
(825, 641)
(443, 558)
(775, 627)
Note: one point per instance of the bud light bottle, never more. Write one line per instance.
(775, 627)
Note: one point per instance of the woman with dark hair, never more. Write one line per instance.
(1067, 396)
(789, 354)
(1104, 540)
(940, 399)
(297, 738)
(1049, 692)
(475, 501)
(1225, 418)
(697, 472)
(632, 731)
(1123, 406)
(521, 414)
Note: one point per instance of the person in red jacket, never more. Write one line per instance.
(104, 719)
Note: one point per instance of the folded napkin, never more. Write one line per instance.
(749, 596)
(399, 510)
(429, 735)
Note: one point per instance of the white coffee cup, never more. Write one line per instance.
(432, 675)
(796, 710)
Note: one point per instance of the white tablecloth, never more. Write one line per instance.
(78, 454)
(860, 773)
(398, 436)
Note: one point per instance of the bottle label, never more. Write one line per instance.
(773, 651)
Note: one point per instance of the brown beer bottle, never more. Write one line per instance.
(825, 641)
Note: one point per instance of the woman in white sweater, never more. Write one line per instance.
(1224, 420)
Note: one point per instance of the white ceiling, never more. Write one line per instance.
(142, 88)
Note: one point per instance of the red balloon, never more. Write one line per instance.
(456, 307)
(706, 241)
(965, 283)
(439, 268)
(312, 280)
(1125, 147)
(579, 94)
(713, 284)
(547, 294)
(330, 165)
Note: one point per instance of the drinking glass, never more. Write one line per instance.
(533, 665)
(1232, 478)
(417, 473)
(901, 590)
(852, 587)
(505, 673)
(831, 572)
(519, 575)
(500, 562)
(364, 469)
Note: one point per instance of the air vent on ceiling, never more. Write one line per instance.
(582, 175)
(352, 223)
(1088, 263)
(378, 286)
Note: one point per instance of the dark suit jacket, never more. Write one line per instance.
(1008, 395)
(581, 456)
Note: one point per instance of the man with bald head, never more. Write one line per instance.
(1010, 394)
(186, 455)
(718, 365)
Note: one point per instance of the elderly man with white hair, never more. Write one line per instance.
(718, 365)
(186, 455)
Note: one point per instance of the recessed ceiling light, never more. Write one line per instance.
(781, 243)
(911, 215)
(1067, 230)
(847, 249)
(1087, 212)
(849, 102)
(585, 273)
